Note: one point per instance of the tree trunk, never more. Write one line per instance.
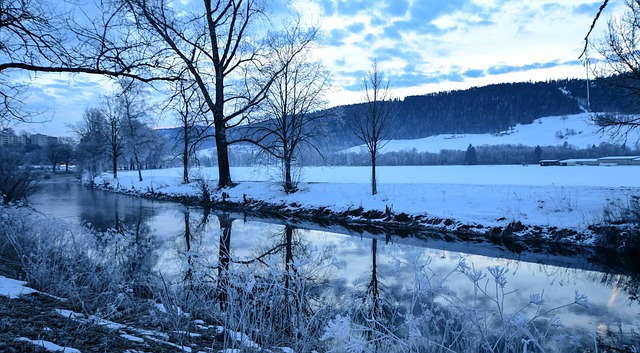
(185, 172)
(135, 155)
(374, 182)
(288, 184)
(224, 171)
(224, 259)
(114, 162)
(185, 158)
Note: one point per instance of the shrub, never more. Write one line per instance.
(17, 181)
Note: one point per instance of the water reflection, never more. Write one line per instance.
(371, 279)
(224, 258)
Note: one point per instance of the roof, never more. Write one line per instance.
(619, 157)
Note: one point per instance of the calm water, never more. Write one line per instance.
(178, 232)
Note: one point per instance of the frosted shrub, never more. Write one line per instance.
(91, 270)
(438, 320)
(483, 325)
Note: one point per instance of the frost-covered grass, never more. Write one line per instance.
(492, 196)
(277, 299)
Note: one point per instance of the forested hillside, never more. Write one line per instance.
(489, 109)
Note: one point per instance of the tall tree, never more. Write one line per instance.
(190, 110)
(92, 147)
(113, 129)
(372, 122)
(294, 99)
(138, 136)
(471, 156)
(217, 44)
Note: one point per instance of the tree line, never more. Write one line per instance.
(484, 155)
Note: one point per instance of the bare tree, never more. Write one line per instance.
(373, 119)
(138, 136)
(113, 129)
(67, 151)
(53, 154)
(190, 110)
(59, 152)
(218, 47)
(92, 147)
(293, 102)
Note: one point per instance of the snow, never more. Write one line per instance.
(565, 197)
(543, 132)
(13, 288)
(48, 346)
(94, 320)
(132, 338)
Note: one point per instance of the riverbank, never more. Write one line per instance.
(584, 206)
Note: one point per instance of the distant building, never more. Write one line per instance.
(4, 137)
(40, 140)
(19, 140)
(549, 162)
(572, 162)
(619, 160)
(9, 138)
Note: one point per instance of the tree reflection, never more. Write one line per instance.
(131, 242)
(224, 259)
(274, 294)
(375, 310)
(187, 240)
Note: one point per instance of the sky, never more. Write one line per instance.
(422, 46)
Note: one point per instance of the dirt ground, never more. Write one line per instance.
(34, 317)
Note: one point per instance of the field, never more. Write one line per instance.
(564, 197)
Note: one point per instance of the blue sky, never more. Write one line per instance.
(422, 46)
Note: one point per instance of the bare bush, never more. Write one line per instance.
(17, 181)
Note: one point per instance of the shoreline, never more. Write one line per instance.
(515, 235)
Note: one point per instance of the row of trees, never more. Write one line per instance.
(118, 129)
(482, 155)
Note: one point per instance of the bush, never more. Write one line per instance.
(17, 181)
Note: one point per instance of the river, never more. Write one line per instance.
(182, 234)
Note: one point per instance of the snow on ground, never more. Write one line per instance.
(48, 346)
(13, 288)
(575, 129)
(565, 197)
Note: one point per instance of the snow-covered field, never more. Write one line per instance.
(574, 129)
(565, 197)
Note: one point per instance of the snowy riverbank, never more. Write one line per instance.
(476, 198)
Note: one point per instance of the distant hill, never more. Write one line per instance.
(490, 109)
(573, 131)
(479, 110)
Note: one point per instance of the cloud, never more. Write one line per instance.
(356, 28)
(587, 9)
(473, 73)
(400, 52)
(505, 69)
(397, 8)
(335, 37)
